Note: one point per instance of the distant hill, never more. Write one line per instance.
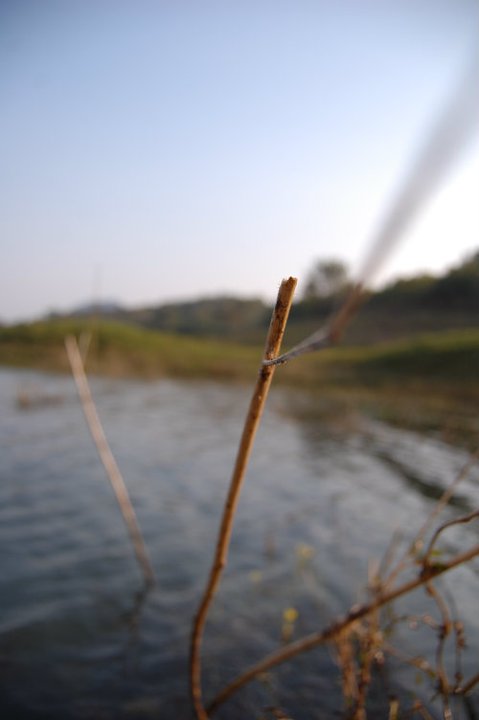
(103, 308)
(404, 308)
(222, 317)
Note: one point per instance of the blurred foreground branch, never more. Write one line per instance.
(453, 128)
(427, 573)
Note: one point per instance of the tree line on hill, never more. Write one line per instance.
(402, 308)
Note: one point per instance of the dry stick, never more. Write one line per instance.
(468, 685)
(418, 541)
(444, 630)
(446, 496)
(455, 521)
(320, 638)
(265, 376)
(328, 335)
(106, 456)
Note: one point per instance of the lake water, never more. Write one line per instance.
(322, 497)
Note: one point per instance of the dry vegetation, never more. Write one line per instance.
(362, 638)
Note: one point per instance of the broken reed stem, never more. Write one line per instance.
(328, 336)
(265, 376)
(320, 638)
(106, 456)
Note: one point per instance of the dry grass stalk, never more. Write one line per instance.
(428, 572)
(329, 335)
(106, 456)
(359, 635)
(357, 677)
(265, 376)
(446, 628)
(358, 647)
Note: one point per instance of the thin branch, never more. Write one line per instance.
(414, 547)
(445, 497)
(419, 707)
(444, 631)
(106, 456)
(418, 662)
(320, 638)
(468, 685)
(265, 376)
(457, 521)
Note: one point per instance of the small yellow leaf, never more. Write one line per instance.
(304, 551)
(290, 615)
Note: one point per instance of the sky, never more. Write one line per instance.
(155, 151)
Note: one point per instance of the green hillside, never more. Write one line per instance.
(122, 350)
(410, 355)
(400, 310)
(430, 381)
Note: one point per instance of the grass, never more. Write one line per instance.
(121, 350)
(451, 357)
(428, 382)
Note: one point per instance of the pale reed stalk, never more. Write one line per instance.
(106, 456)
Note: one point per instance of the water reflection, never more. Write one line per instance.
(132, 619)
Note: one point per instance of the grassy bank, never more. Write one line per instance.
(431, 381)
(120, 350)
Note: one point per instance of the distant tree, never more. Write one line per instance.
(470, 265)
(327, 279)
(459, 288)
(405, 292)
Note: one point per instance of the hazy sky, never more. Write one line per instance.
(153, 151)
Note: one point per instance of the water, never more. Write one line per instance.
(79, 639)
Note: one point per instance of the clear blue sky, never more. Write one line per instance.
(153, 151)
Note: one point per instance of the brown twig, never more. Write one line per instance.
(265, 376)
(456, 521)
(444, 630)
(416, 545)
(320, 638)
(445, 497)
(417, 661)
(467, 686)
(106, 456)
(419, 707)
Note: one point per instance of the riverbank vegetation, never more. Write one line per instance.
(361, 639)
(450, 358)
(429, 381)
(410, 356)
(431, 375)
(400, 310)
